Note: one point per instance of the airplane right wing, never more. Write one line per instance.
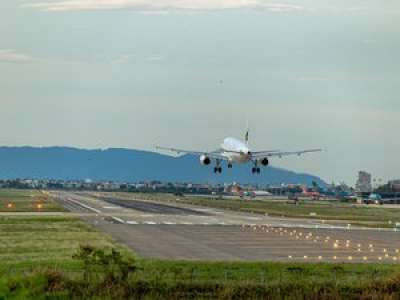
(264, 154)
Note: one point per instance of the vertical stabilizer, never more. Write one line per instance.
(246, 137)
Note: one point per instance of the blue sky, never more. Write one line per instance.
(132, 73)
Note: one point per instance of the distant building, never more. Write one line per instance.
(363, 184)
(395, 185)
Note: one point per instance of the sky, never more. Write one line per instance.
(135, 73)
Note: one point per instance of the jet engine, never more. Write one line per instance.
(205, 160)
(265, 162)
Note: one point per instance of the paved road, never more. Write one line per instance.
(188, 232)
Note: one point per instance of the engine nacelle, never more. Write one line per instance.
(205, 160)
(265, 162)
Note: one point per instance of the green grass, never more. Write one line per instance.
(329, 210)
(45, 241)
(262, 272)
(27, 201)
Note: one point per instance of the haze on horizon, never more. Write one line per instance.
(132, 73)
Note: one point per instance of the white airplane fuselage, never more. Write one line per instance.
(235, 150)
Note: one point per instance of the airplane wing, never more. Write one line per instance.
(264, 154)
(213, 154)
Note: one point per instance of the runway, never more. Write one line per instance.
(172, 231)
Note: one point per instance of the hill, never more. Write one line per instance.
(129, 165)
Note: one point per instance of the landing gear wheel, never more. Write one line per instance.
(217, 170)
(258, 170)
(229, 166)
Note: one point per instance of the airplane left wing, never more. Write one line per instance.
(181, 151)
(213, 154)
(264, 154)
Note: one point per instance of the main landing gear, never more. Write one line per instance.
(218, 168)
(256, 169)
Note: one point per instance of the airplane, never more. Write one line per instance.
(237, 151)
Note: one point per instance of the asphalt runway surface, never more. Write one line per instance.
(149, 207)
(184, 232)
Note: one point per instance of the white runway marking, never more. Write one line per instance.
(85, 206)
(169, 223)
(118, 220)
(204, 209)
(132, 222)
(150, 223)
(111, 207)
(253, 218)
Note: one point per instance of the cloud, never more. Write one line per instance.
(123, 59)
(162, 5)
(131, 58)
(370, 41)
(314, 79)
(12, 56)
(155, 58)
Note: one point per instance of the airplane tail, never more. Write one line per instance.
(246, 137)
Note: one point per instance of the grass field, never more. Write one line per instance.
(36, 241)
(329, 210)
(27, 201)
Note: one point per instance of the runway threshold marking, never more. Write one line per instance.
(85, 206)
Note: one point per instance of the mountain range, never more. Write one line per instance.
(131, 166)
